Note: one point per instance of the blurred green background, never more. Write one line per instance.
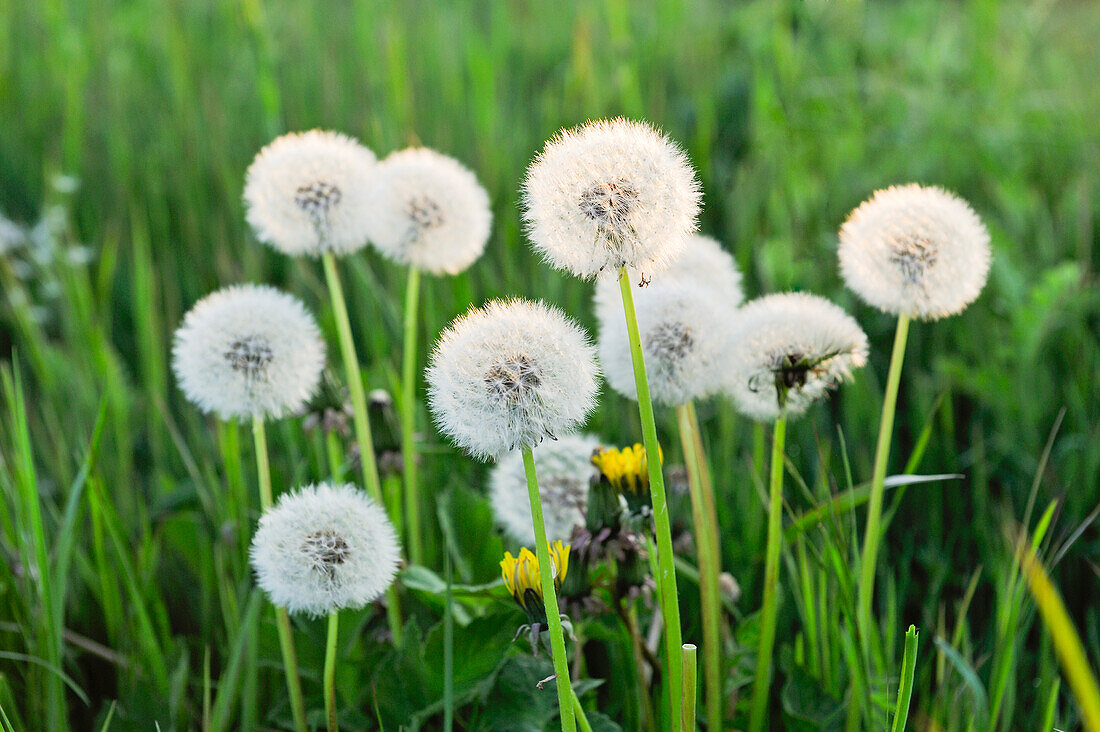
(793, 113)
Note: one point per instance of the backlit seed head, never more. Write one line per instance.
(307, 193)
(564, 471)
(608, 194)
(788, 350)
(684, 334)
(325, 547)
(248, 350)
(915, 250)
(704, 263)
(509, 374)
(429, 211)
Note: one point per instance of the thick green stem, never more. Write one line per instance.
(282, 620)
(687, 703)
(330, 670)
(360, 417)
(661, 520)
(703, 514)
(762, 684)
(878, 479)
(550, 598)
(905, 688)
(409, 374)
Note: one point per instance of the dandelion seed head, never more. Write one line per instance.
(705, 263)
(915, 250)
(325, 547)
(307, 193)
(564, 468)
(508, 375)
(607, 194)
(790, 347)
(683, 330)
(428, 210)
(248, 350)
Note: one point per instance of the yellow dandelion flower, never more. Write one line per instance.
(522, 580)
(626, 469)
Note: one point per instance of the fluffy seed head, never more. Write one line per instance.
(509, 374)
(307, 193)
(684, 331)
(564, 469)
(607, 194)
(705, 263)
(787, 350)
(325, 547)
(248, 350)
(915, 250)
(428, 210)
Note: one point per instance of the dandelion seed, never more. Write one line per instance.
(429, 211)
(509, 375)
(323, 548)
(564, 472)
(609, 194)
(915, 250)
(248, 350)
(307, 193)
(787, 350)
(683, 333)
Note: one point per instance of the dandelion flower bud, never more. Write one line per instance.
(509, 374)
(523, 582)
(307, 193)
(248, 350)
(429, 211)
(564, 471)
(607, 194)
(684, 338)
(915, 250)
(787, 350)
(323, 548)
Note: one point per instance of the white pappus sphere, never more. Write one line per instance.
(608, 194)
(915, 250)
(429, 211)
(323, 548)
(789, 349)
(509, 374)
(248, 350)
(307, 193)
(564, 468)
(705, 263)
(684, 333)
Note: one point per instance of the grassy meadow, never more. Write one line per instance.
(126, 596)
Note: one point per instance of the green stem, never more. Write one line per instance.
(905, 689)
(367, 460)
(661, 521)
(330, 670)
(762, 684)
(703, 514)
(578, 710)
(408, 417)
(282, 620)
(448, 644)
(878, 478)
(550, 598)
(687, 714)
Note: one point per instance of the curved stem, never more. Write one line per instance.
(762, 683)
(582, 720)
(550, 598)
(330, 670)
(661, 521)
(282, 620)
(367, 460)
(408, 417)
(878, 479)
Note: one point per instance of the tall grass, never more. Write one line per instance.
(124, 520)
